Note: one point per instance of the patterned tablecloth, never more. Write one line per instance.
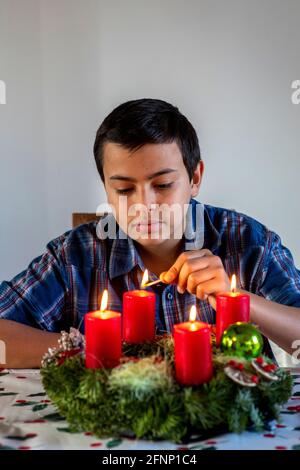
(28, 420)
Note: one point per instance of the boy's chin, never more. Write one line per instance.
(150, 241)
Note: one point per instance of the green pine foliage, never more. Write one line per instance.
(142, 398)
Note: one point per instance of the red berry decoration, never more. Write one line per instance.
(255, 379)
(236, 372)
(232, 363)
(265, 369)
(66, 354)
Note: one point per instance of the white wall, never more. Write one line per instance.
(72, 107)
(23, 210)
(227, 65)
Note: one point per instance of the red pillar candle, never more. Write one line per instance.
(103, 340)
(193, 352)
(231, 307)
(139, 315)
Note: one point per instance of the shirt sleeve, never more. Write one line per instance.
(38, 295)
(280, 277)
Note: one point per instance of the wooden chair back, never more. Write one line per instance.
(79, 218)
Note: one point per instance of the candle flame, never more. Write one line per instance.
(104, 300)
(233, 283)
(145, 278)
(193, 313)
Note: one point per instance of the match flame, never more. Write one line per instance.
(145, 278)
(104, 301)
(193, 313)
(233, 283)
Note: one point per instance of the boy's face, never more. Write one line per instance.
(143, 185)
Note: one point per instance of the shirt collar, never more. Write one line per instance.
(124, 255)
(212, 238)
(200, 231)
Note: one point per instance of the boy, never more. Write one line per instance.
(147, 154)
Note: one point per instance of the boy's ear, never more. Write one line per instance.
(197, 178)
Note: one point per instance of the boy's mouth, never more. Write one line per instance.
(147, 227)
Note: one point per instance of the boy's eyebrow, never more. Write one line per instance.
(149, 177)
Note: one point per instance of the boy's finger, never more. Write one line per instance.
(162, 278)
(173, 272)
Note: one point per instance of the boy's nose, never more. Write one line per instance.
(148, 199)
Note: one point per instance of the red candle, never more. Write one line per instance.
(193, 352)
(139, 315)
(103, 340)
(231, 307)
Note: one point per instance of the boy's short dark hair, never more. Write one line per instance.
(148, 121)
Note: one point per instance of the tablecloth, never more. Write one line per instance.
(28, 420)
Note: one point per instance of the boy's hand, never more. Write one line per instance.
(200, 273)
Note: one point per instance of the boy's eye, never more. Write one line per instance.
(164, 186)
(123, 191)
(158, 186)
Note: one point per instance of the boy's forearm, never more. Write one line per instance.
(22, 346)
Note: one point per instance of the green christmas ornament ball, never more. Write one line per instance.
(242, 340)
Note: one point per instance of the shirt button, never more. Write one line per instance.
(169, 296)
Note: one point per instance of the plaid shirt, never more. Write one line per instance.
(66, 281)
